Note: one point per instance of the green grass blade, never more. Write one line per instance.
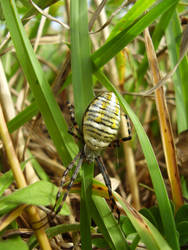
(116, 44)
(40, 88)
(38, 169)
(85, 205)
(133, 14)
(108, 225)
(173, 32)
(83, 94)
(39, 193)
(24, 116)
(156, 38)
(157, 180)
(80, 58)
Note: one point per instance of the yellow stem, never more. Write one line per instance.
(165, 126)
(20, 179)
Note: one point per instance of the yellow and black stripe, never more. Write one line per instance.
(101, 121)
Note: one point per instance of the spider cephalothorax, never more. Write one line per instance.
(100, 127)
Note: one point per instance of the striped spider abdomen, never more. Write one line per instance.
(101, 122)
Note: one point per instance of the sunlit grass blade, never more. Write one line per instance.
(108, 225)
(20, 178)
(157, 180)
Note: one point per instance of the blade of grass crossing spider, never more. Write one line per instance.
(80, 58)
(108, 225)
(116, 44)
(38, 84)
(157, 180)
(83, 94)
(180, 76)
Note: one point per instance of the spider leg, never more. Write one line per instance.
(53, 213)
(73, 120)
(70, 166)
(73, 134)
(108, 184)
(81, 155)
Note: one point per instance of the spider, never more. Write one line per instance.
(100, 127)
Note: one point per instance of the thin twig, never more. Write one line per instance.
(111, 17)
(96, 14)
(163, 81)
(49, 16)
(40, 29)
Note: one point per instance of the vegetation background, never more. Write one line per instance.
(138, 50)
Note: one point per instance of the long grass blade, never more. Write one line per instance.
(180, 77)
(83, 94)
